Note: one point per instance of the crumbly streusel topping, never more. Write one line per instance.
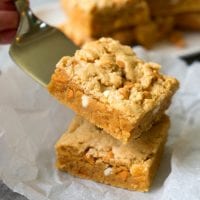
(112, 72)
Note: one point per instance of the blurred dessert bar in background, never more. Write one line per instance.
(185, 12)
(188, 21)
(127, 21)
(145, 34)
(173, 7)
(131, 22)
(101, 17)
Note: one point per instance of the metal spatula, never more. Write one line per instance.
(37, 46)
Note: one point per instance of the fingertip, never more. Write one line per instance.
(8, 20)
(7, 5)
(6, 37)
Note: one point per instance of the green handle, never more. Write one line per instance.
(28, 21)
(22, 5)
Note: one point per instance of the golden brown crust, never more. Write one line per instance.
(96, 155)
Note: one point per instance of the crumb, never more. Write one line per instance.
(177, 38)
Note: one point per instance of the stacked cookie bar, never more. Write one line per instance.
(119, 135)
(128, 21)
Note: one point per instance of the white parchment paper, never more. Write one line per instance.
(31, 121)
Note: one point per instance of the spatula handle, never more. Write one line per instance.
(21, 5)
(28, 21)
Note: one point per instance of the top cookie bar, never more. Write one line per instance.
(97, 18)
(106, 83)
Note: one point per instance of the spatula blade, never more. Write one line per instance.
(38, 52)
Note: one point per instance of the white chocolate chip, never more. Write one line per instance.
(108, 171)
(85, 101)
(106, 93)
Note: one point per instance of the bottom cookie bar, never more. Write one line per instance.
(88, 152)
